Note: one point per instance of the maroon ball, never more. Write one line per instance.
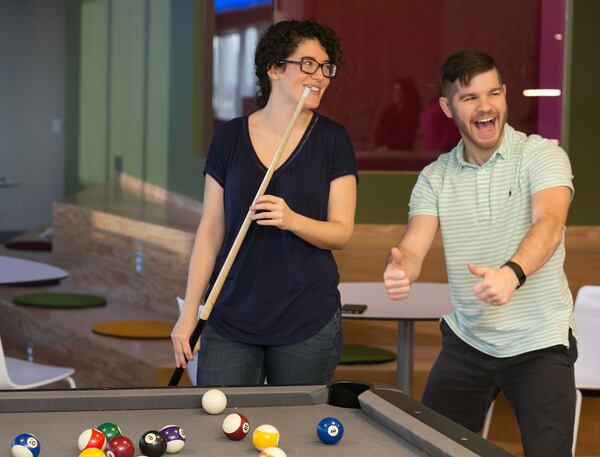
(236, 426)
(120, 446)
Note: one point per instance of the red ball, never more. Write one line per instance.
(236, 426)
(120, 446)
(91, 438)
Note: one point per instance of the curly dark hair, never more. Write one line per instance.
(280, 41)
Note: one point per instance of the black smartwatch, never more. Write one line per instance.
(514, 266)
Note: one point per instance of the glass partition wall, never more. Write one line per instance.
(387, 94)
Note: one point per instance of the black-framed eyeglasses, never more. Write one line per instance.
(310, 66)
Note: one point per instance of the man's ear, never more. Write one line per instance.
(445, 105)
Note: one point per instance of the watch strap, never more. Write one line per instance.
(514, 266)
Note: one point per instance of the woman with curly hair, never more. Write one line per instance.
(277, 316)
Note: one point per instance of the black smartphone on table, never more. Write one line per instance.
(353, 308)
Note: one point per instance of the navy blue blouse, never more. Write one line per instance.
(280, 289)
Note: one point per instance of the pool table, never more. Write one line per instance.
(383, 422)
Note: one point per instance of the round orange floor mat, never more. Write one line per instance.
(135, 329)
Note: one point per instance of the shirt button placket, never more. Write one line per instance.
(483, 195)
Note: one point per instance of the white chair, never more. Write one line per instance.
(587, 330)
(587, 367)
(192, 366)
(21, 374)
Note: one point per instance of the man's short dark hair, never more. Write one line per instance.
(463, 66)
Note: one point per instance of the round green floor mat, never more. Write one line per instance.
(357, 353)
(59, 300)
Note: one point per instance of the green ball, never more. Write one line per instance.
(109, 430)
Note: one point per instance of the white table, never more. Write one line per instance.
(427, 301)
(17, 271)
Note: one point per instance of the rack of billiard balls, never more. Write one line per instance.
(107, 440)
(153, 443)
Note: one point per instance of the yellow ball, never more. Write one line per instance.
(265, 436)
(92, 452)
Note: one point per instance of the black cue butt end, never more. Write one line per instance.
(194, 337)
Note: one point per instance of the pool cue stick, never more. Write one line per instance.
(235, 247)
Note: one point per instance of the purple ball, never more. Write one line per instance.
(174, 436)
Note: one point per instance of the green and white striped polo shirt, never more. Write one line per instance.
(484, 213)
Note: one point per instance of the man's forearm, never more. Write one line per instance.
(539, 245)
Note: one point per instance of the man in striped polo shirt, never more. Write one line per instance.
(501, 200)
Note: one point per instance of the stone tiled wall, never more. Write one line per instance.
(111, 243)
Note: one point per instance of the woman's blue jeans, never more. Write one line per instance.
(222, 362)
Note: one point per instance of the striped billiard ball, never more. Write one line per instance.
(25, 445)
(265, 436)
(175, 438)
(236, 426)
(92, 437)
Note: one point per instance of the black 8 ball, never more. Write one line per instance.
(153, 444)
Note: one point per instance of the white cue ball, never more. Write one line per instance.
(214, 401)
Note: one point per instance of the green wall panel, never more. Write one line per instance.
(581, 113)
(383, 197)
(132, 111)
(93, 150)
(157, 93)
(72, 100)
(126, 87)
(185, 168)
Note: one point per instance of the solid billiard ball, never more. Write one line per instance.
(120, 446)
(236, 426)
(92, 452)
(214, 401)
(25, 445)
(175, 438)
(330, 430)
(92, 437)
(265, 436)
(153, 444)
(272, 452)
(109, 430)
